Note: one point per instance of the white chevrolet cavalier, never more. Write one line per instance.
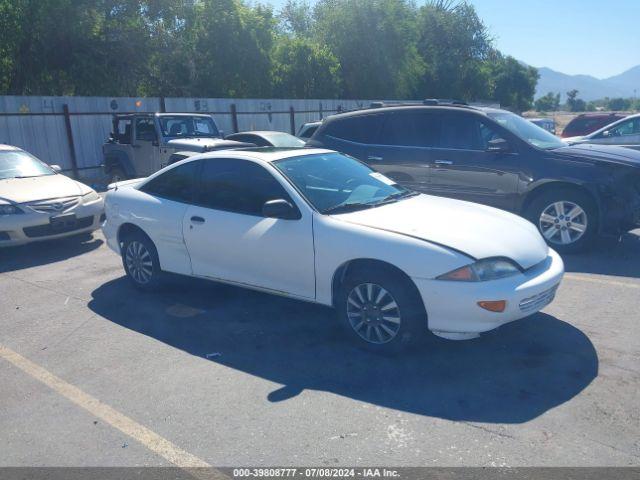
(317, 225)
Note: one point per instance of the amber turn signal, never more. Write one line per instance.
(493, 306)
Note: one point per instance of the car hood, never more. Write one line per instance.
(205, 144)
(602, 153)
(24, 190)
(475, 230)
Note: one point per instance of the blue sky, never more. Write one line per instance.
(593, 37)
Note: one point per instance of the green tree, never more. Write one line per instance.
(620, 104)
(575, 104)
(303, 69)
(548, 103)
(454, 45)
(514, 83)
(296, 17)
(374, 41)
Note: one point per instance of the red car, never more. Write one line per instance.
(587, 123)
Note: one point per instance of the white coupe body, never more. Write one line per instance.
(38, 203)
(422, 236)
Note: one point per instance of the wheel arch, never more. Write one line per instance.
(119, 159)
(127, 229)
(373, 264)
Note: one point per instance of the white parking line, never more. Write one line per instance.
(126, 425)
(602, 281)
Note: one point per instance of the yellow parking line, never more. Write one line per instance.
(126, 425)
(601, 281)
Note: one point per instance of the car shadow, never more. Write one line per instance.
(46, 252)
(510, 375)
(609, 256)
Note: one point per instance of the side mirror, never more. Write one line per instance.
(498, 145)
(56, 168)
(280, 208)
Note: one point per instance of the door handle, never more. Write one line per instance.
(373, 158)
(198, 220)
(443, 162)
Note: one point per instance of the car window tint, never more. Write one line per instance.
(145, 129)
(360, 128)
(410, 128)
(238, 186)
(177, 184)
(461, 132)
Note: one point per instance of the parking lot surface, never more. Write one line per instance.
(95, 373)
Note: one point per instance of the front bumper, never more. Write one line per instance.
(33, 227)
(452, 307)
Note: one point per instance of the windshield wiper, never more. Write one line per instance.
(347, 207)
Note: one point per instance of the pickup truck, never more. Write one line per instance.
(143, 143)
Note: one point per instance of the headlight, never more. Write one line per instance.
(92, 196)
(9, 210)
(483, 270)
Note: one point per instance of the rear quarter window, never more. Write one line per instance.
(359, 129)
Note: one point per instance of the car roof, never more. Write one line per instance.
(8, 148)
(402, 107)
(263, 154)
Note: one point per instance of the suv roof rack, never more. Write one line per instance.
(431, 102)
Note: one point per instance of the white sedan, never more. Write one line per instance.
(320, 226)
(38, 203)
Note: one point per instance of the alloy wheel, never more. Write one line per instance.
(373, 313)
(563, 222)
(139, 262)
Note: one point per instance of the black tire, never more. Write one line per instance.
(116, 174)
(555, 230)
(412, 325)
(141, 262)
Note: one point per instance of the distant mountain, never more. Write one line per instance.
(589, 88)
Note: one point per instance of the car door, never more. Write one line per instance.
(145, 147)
(464, 166)
(404, 148)
(228, 238)
(625, 133)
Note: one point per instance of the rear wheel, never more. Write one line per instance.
(381, 311)
(567, 219)
(140, 261)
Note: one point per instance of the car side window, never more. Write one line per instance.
(630, 127)
(145, 130)
(238, 186)
(411, 129)
(359, 128)
(177, 184)
(461, 132)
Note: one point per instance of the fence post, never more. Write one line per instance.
(163, 107)
(320, 110)
(292, 119)
(234, 118)
(72, 148)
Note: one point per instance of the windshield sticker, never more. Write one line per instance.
(382, 178)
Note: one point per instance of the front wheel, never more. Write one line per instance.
(381, 311)
(140, 261)
(567, 219)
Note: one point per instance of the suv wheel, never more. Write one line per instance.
(140, 261)
(380, 311)
(566, 219)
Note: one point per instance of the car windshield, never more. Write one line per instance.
(530, 133)
(336, 183)
(185, 126)
(19, 164)
(281, 139)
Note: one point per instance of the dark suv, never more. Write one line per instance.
(497, 158)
